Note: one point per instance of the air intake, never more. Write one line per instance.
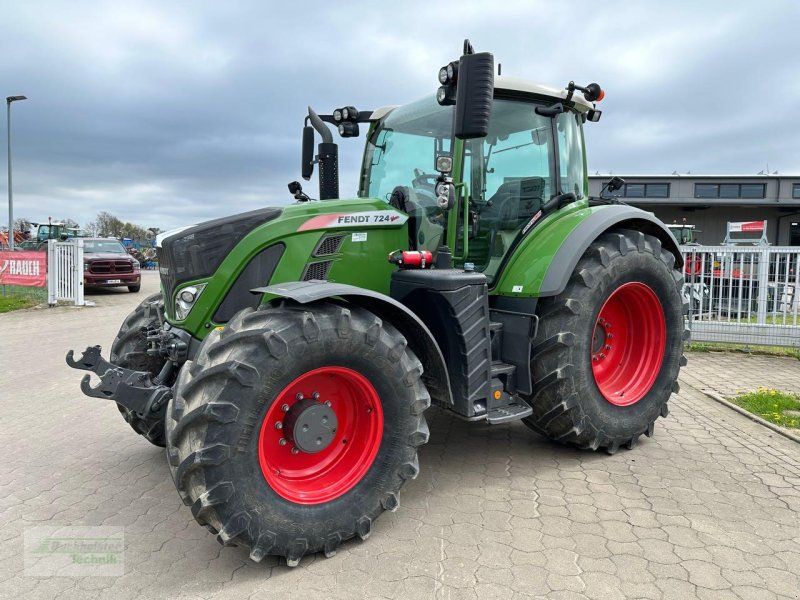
(328, 245)
(317, 270)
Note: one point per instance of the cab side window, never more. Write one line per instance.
(572, 164)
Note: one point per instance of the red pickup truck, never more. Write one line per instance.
(106, 263)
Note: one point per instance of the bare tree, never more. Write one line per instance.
(22, 224)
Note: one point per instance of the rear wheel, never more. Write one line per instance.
(129, 350)
(295, 427)
(608, 349)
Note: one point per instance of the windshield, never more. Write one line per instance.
(402, 150)
(98, 246)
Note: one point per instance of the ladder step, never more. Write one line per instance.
(501, 368)
(510, 412)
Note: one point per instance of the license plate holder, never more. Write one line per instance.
(114, 281)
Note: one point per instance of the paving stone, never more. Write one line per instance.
(705, 509)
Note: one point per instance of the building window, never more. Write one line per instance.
(753, 190)
(706, 190)
(658, 190)
(643, 190)
(796, 190)
(634, 190)
(730, 190)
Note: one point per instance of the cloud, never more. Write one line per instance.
(165, 114)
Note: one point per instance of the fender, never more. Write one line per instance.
(543, 263)
(419, 337)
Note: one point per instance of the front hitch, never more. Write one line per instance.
(135, 390)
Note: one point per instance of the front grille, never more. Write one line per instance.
(105, 267)
(328, 245)
(318, 270)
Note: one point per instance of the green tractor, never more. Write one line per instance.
(49, 231)
(289, 360)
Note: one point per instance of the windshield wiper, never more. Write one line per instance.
(515, 147)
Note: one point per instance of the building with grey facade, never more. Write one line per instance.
(709, 202)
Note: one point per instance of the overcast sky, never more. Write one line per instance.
(166, 113)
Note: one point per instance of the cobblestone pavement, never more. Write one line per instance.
(708, 508)
(730, 373)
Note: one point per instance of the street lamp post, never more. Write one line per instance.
(9, 100)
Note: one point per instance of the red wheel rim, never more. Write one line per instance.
(313, 478)
(628, 344)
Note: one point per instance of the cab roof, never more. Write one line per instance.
(514, 84)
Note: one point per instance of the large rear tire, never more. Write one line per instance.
(608, 349)
(239, 430)
(129, 350)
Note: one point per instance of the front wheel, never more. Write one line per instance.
(608, 349)
(129, 350)
(295, 427)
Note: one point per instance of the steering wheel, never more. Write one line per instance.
(424, 184)
(424, 180)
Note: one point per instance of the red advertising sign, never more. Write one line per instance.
(23, 268)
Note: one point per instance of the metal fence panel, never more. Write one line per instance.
(65, 271)
(743, 294)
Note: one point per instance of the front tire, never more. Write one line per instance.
(134, 289)
(237, 446)
(129, 350)
(608, 349)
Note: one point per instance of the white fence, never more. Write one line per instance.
(65, 271)
(743, 294)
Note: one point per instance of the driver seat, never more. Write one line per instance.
(514, 203)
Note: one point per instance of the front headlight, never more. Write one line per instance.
(135, 264)
(186, 299)
(85, 267)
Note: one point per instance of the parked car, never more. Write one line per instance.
(106, 263)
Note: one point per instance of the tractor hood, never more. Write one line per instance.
(345, 240)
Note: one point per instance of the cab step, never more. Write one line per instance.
(501, 368)
(510, 412)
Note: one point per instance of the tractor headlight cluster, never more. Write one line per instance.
(347, 113)
(346, 119)
(186, 299)
(448, 77)
(448, 74)
(348, 129)
(446, 95)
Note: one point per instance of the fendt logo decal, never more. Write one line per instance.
(372, 218)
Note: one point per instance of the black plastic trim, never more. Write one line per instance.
(257, 272)
(454, 305)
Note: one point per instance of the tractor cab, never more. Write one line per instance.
(505, 180)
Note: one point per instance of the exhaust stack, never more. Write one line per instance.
(328, 158)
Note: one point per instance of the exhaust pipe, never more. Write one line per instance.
(328, 158)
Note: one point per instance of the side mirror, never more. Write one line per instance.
(474, 95)
(307, 159)
(615, 184)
